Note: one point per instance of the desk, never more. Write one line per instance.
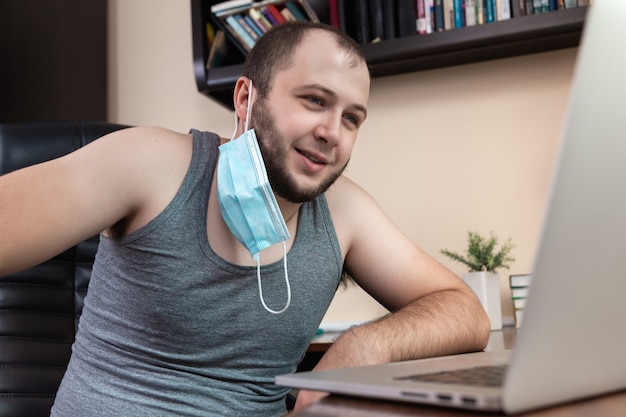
(606, 406)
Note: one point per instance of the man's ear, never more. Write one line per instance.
(241, 96)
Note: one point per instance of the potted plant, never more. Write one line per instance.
(484, 258)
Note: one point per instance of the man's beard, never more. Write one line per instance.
(271, 144)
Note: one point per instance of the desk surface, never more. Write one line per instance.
(605, 406)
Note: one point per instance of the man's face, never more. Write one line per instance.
(307, 125)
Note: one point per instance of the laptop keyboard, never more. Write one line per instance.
(486, 376)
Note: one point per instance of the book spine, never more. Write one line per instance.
(421, 17)
(480, 12)
(376, 21)
(269, 16)
(362, 21)
(260, 19)
(470, 12)
(505, 10)
(439, 26)
(295, 11)
(278, 17)
(241, 34)
(228, 5)
(429, 11)
(289, 17)
(448, 14)
(459, 18)
(389, 15)
(255, 28)
(406, 17)
(490, 11)
(517, 7)
(333, 11)
(242, 22)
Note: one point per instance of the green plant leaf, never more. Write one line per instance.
(482, 253)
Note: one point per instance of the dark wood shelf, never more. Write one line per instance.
(514, 37)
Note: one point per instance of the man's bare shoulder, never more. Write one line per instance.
(347, 197)
(353, 210)
(151, 139)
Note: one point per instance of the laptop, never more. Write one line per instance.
(572, 344)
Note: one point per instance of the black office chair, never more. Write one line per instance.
(40, 307)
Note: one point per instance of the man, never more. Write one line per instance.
(180, 319)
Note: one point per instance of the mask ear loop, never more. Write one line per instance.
(257, 258)
(249, 110)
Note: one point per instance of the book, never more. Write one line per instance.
(357, 20)
(429, 16)
(520, 280)
(389, 19)
(480, 12)
(459, 13)
(537, 7)
(438, 13)
(517, 8)
(269, 16)
(376, 25)
(504, 10)
(242, 22)
(520, 287)
(260, 19)
(333, 10)
(448, 14)
(246, 22)
(490, 11)
(258, 32)
(289, 17)
(228, 5)
(406, 14)
(240, 33)
(519, 292)
(341, 14)
(217, 50)
(295, 11)
(275, 13)
(421, 17)
(470, 12)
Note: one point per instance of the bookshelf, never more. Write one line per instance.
(517, 36)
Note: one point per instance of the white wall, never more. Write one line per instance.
(444, 151)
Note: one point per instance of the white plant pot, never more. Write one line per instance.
(486, 285)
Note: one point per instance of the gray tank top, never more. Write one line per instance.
(171, 329)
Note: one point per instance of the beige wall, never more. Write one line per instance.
(443, 151)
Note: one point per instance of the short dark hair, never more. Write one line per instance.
(274, 50)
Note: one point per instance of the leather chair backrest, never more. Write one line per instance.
(40, 307)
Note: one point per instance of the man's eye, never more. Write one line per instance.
(315, 100)
(352, 119)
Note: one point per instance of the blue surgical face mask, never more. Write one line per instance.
(247, 202)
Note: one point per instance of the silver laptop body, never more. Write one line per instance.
(573, 341)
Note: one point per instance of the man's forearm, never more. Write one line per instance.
(442, 323)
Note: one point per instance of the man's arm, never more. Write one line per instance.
(49, 207)
(433, 312)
